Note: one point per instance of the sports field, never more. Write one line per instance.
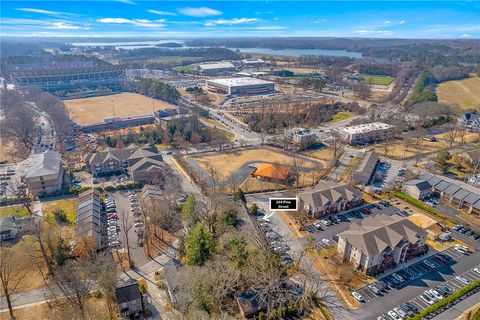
(96, 109)
(462, 93)
(377, 79)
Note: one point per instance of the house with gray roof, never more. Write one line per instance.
(364, 170)
(327, 198)
(44, 172)
(456, 193)
(470, 120)
(129, 300)
(142, 164)
(418, 189)
(380, 242)
(91, 218)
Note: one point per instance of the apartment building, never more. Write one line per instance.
(91, 218)
(365, 168)
(366, 133)
(418, 189)
(301, 137)
(329, 198)
(381, 242)
(44, 173)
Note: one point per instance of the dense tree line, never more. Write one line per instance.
(423, 90)
(308, 114)
(315, 60)
(156, 89)
(207, 53)
(385, 69)
(177, 134)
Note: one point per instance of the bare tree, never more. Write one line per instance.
(335, 142)
(126, 225)
(18, 125)
(12, 273)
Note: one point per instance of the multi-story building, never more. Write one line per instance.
(91, 218)
(215, 68)
(418, 189)
(366, 133)
(141, 164)
(328, 198)
(365, 169)
(381, 242)
(44, 173)
(301, 137)
(470, 120)
(240, 86)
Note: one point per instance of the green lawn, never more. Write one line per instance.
(67, 205)
(339, 116)
(377, 79)
(187, 68)
(16, 210)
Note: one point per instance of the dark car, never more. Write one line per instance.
(441, 258)
(343, 218)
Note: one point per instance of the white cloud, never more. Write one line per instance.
(199, 12)
(63, 25)
(230, 21)
(162, 13)
(387, 21)
(402, 21)
(270, 28)
(320, 20)
(465, 35)
(373, 32)
(127, 1)
(34, 10)
(134, 22)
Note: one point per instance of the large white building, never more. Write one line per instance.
(240, 86)
(366, 133)
(213, 68)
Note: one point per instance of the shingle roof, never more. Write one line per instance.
(326, 194)
(128, 292)
(380, 233)
(272, 171)
(42, 164)
(420, 184)
(366, 165)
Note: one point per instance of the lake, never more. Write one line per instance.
(302, 52)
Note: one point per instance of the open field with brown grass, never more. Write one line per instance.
(228, 162)
(398, 149)
(464, 94)
(69, 206)
(96, 109)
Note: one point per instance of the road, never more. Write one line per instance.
(343, 164)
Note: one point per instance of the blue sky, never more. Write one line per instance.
(185, 19)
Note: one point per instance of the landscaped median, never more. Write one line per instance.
(447, 302)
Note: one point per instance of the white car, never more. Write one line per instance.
(462, 279)
(357, 296)
(328, 242)
(477, 269)
(398, 277)
(138, 224)
(326, 222)
(461, 250)
(430, 264)
(400, 312)
(394, 315)
(436, 294)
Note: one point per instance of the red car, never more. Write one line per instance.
(112, 216)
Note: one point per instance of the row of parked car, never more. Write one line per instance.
(467, 231)
(274, 241)
(138, 222)
(112, 223)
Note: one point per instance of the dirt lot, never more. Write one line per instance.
(463, 93)
(95, 109)
(229, 162)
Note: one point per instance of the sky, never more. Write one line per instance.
(187, 19)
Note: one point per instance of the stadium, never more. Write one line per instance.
(240, 86)
(64, 75)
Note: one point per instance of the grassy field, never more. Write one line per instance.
(339, 116)
(377, 79)
(67, 205)
(16, 210)
(462, 93)
(229, 162)
(187, 68)
(96, 109)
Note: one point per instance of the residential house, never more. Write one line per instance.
(365, 168)
(142, 164)
(44, 173)
(91, 218)
(418, 189)
(328, 198)
(14, 226)
(474, 180)
(381, 242)
(470, 120)
(129, 300)
(473, 157)
(249, 303)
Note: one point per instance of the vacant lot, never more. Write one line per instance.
(69, 206)
(462, 93)
(377, 79)
(228, 162)
(96, 109)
